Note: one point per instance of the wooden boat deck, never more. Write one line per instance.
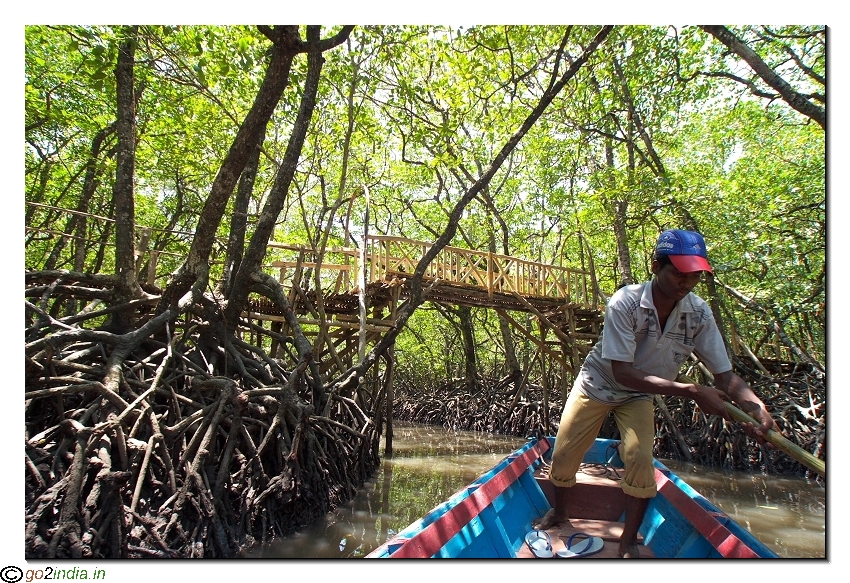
(597, 505)
(607, 530)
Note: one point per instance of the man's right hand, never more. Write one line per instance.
(710, 400)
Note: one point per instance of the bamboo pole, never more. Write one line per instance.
(779, 441)
(774, 437)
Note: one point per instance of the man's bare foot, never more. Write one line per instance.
(549, 520)
(629, 552)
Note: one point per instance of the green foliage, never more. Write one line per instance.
(759, 197)
(415, 114)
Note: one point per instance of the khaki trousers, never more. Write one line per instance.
(580, 423)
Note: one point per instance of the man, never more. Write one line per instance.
(650, 331)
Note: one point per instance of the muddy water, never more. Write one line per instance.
(430, 464)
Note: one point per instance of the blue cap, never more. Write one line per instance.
(686, 250)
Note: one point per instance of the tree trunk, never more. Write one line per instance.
(624, 258)
(286, 43)
(122, 191)
(90, 184)
(256, 252)
(239, 220)
(618, 207)
(75, 225)
(195, 270)
(652, 158)
(796, 100)
(250, 269)
(467, 329)
(511, 361)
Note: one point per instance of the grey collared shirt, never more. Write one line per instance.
(632, 334)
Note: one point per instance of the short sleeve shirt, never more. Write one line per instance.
(631, 334)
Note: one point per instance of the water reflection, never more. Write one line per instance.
(430, 464)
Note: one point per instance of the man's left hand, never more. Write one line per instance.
(760, 414)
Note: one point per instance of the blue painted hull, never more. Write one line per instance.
(490, 517)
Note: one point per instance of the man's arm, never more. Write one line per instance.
(741, 393)
(709, 399)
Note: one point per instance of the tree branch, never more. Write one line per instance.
(796, 100)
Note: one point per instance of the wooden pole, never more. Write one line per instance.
(361, 342)
(774, 437)
(779, 441)
(544, 378)
(389, 396)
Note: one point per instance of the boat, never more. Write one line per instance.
(492, 517)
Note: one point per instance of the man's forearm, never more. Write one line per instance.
(739, 391)
(710, 399)
(637, 380)
(746, 399)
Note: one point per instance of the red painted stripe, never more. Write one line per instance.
(726, 543)
(432, 538)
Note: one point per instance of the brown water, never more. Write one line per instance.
(430, 464)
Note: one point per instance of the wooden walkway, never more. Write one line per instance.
(568, 298)
(562, 300)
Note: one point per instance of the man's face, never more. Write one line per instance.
(673, 283)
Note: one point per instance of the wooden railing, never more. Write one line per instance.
(337, 271)
(396, 256)
(491, 271)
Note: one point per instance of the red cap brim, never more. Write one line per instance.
(690, 263)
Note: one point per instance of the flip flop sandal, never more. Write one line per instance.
(589, 546)
(540, 543)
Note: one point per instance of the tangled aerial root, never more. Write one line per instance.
(147, 445)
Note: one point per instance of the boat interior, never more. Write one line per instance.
(597, 508)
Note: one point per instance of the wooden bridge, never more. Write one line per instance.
(326, 294)
(349, 297)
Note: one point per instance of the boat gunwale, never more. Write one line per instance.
(429, 534)
(426, 536)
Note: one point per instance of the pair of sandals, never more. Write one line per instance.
(540, 544)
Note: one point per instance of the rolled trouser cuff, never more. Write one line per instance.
(569, 483)
(648, 492)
